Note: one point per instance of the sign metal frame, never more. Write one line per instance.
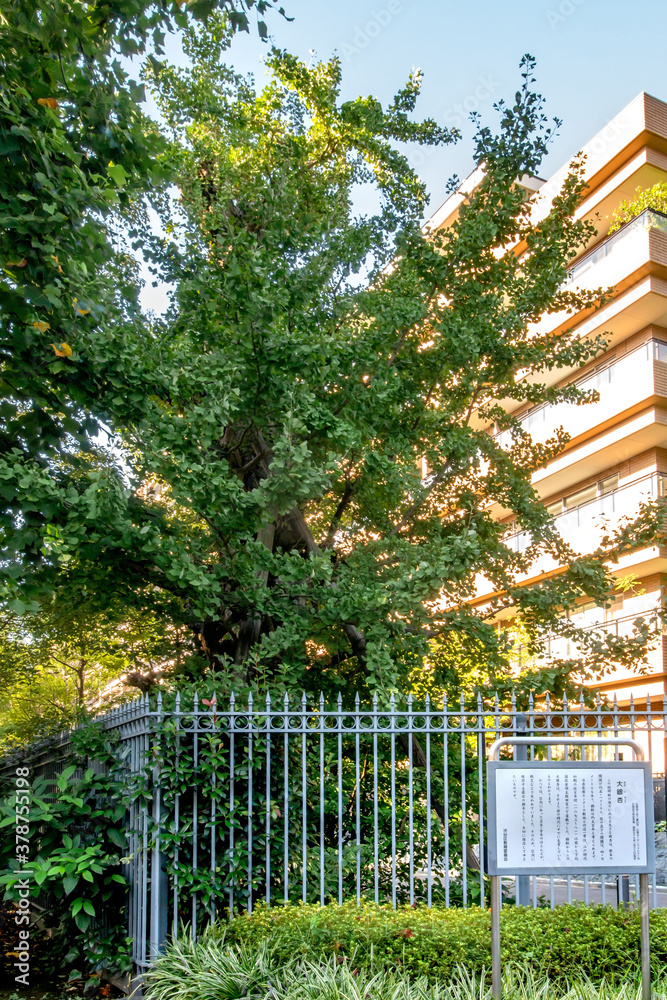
(575, 867)
(582, 741)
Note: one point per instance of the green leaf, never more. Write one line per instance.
(70, 883)
(118, 174)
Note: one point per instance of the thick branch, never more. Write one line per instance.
(340, 510)
(409, 514)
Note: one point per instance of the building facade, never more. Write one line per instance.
(617, 453)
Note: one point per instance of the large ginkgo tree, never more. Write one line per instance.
(294, 462)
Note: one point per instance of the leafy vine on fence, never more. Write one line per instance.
(77, 826)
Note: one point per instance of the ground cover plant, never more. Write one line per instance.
(210, 970)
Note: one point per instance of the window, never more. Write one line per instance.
(608, 485)
(659, 350)
(587, 615)
(581, 496)
(589, 493)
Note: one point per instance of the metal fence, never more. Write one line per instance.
(230, 806)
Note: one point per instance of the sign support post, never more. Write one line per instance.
(496, 973)
(570, 788)
(645, 938)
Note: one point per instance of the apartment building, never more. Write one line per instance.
(617, 454)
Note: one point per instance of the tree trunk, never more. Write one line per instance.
(249, 630)
(419, 758)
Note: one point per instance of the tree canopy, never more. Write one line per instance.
(259, 479)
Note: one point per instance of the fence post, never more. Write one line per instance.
(159, 884)
(521, 753)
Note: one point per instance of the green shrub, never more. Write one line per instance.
(568, 942)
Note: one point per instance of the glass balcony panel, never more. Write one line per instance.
(559, 648)
(648, 219)
(619, 384)
(583, 526)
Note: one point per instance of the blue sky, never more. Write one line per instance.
(593, 57)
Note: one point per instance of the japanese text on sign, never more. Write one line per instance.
(577, 817)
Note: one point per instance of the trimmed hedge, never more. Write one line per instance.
(567, 942)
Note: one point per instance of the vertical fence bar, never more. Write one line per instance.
(633, 723)
(285, 798)
(136, 889)
(550, 731)
(531, 732)
(177, 805)
(392, 711)
(134, 837)
(411, 828)
(304, 801)
(521, 882)
(599, 731)
(480, 798)
(620, 880)
(340, 798)
(566, 756)
(429, 846)
(582, 725)
(497, 732)
(232, 801)
(322, 721)
(251, 725)
(376, 873)
(357, 797)
(155, 874)
(267, 803)
(464, 824)
(143, 912)
(212, 901)
(195, 810)
(445, 752)
(649, 740)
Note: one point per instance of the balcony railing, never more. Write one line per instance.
(559, 647)
(582, 527)
(618, 383)
(648, 219)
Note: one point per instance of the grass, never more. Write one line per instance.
(209, 970)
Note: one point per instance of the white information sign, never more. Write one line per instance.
(564, 817)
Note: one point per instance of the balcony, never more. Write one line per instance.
(583, 526)
(627, 259)
(631, 235)
(620, 384)
(602, 622)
